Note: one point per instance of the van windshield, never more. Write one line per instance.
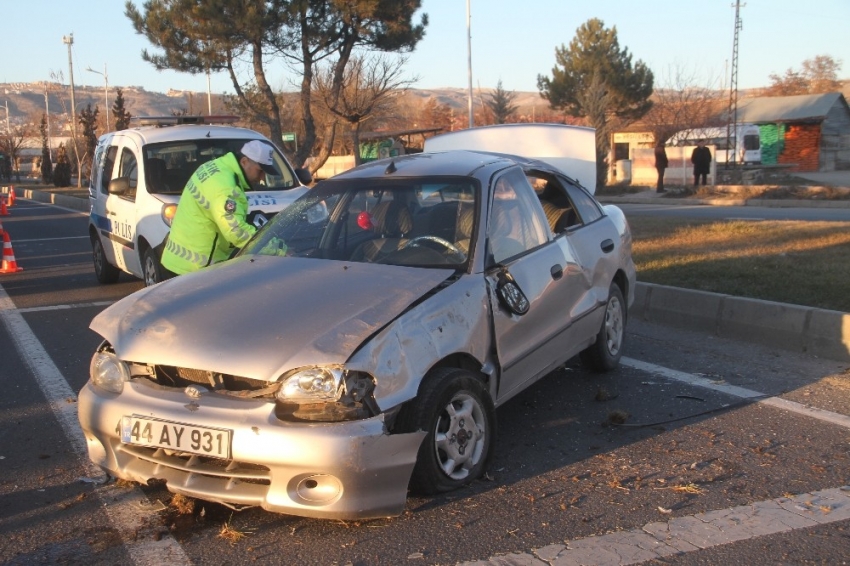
(169, 165)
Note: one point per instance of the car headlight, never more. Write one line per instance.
(108, 372)
(311, 385)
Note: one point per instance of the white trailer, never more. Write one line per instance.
(572, 149)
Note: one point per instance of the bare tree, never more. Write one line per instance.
(369, 87)
(681, 103)
(818, 75)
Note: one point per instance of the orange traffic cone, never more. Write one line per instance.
(3, 210)
(11, 195)
(9, 263)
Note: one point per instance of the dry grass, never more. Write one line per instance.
(804, 263)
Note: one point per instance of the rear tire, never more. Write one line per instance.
(604, 354)
(455, 410)
(105, 272)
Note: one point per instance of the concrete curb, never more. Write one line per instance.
(74, 203)
(797, 328)
(809, 330)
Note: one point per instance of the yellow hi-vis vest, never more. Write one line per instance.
(210, 221)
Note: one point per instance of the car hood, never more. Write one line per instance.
(257, 316)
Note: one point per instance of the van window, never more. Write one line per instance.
(130, 169)
(751, 142)
(108, 167)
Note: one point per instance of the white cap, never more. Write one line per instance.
(262, 153)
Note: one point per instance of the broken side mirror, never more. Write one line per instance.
(510, 295)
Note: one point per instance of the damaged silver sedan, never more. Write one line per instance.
(359, 345)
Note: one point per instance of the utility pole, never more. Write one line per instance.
(69, 41)
(209, 95)
(733, 91)
(469, 59)
(105, 90)
(47, 120)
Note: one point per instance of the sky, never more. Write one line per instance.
(511, 41)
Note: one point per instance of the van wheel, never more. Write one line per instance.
(455, 410)
(604, 354)
(105, 272)
(151, 268)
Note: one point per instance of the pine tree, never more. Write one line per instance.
(88, 120)
(122, 117)
(595, 79)
(501, 104)
(62, 173)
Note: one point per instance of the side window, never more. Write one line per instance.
(130, 169)
(515, 224)
(108, 166)
(585, 205)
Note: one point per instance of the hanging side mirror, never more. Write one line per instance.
(510, 295)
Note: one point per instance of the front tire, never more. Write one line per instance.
(456, 411)
(151, 268)
(604, 354)
(105, 272)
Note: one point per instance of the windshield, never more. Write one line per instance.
(415, 222)
(169, 165)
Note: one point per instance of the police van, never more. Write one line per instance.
(139, 173)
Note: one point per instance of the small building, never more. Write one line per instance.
(809, 132)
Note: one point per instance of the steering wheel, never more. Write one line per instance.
(450, 247)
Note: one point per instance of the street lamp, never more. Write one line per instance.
(105, 90)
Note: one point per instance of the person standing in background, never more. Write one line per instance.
(701, 158)
(660, 165)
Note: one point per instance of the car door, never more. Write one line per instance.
(102, 173)
(121, 210)
(595, 241)
(535, 280)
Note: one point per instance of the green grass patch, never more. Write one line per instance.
(803, 263)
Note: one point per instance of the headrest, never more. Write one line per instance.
(392, 218)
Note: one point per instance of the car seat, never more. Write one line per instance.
(391, 221)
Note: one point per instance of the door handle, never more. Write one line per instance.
(557, 272)
(607, 245)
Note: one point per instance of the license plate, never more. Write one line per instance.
(182, 437)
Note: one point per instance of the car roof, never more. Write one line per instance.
(449, 163)
(156, 134)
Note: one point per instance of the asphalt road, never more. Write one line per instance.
(690, 431)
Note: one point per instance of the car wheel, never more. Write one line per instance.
(150, 265)
(604, 354)
(105, 272)
(456, 411)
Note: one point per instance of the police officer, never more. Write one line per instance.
(211, 218)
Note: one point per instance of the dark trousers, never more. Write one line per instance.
(697, 177)
(660, 185)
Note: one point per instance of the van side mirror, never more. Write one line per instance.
(304, 176)
(119, 186)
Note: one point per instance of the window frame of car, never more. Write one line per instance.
(526, 196)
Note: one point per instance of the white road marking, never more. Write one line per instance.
(65, 307)
(28, 241)
(121, 504)
(689, 533)
(778, 402)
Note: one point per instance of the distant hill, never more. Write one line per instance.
(28, 100)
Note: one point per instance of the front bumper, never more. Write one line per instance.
(345, 470)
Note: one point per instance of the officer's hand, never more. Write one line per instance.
(275, 246)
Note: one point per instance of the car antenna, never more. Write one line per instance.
(391, 168)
